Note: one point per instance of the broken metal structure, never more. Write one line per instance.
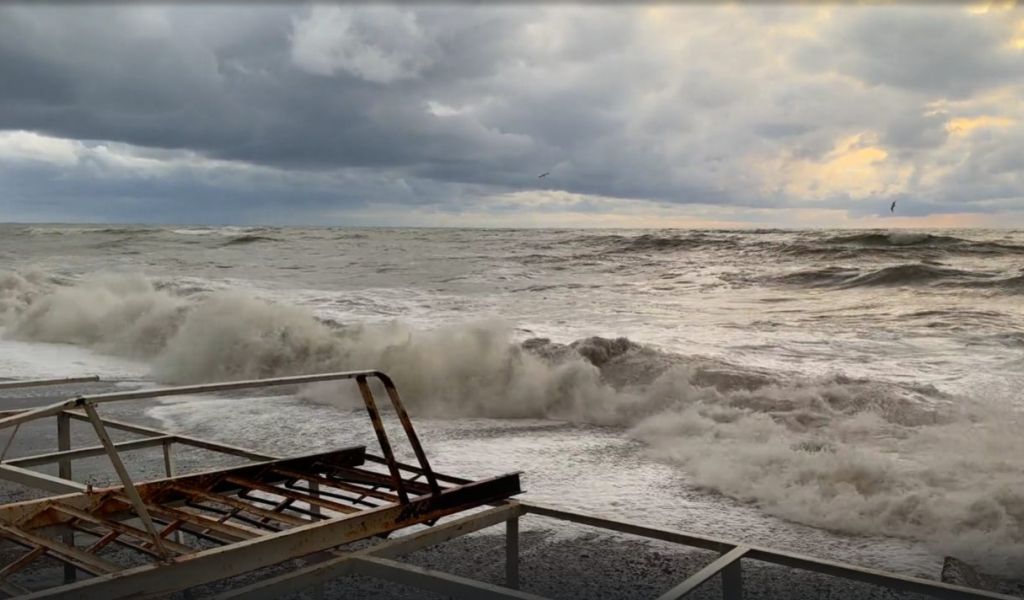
(183, 531)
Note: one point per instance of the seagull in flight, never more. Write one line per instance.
(543, 175)
(893, 207)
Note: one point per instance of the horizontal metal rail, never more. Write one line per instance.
(378, 561)
(27, 383)
(52, 457)
(789, 559)
(178, 437)
(206, 388)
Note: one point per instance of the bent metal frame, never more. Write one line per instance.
(185, 531)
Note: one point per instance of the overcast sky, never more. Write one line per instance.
(685, 115)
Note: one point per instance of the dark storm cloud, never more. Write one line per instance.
(929, 50)
(337, 106)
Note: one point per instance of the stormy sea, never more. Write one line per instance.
(851, 394)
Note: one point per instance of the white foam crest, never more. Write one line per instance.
(956, 485)
(117, 314)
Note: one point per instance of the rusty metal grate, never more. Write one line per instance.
(183, 531)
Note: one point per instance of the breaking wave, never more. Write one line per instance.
(847, 454)
(818, 277)
(249, 239)
(919, 274)
(1009, 285)
(910, 274)
(845, 246)
(910, 241)
(900, 238)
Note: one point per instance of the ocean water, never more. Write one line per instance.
(854, 394)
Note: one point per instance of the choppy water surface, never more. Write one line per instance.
(799, 388)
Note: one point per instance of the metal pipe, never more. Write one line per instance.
(26, 383)
(51, 409)
(512, 553)
(64, 471)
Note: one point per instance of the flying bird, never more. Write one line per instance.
(893, 207)
(543, 175)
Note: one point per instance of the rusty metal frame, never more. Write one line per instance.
(88, 404)
(254, 516)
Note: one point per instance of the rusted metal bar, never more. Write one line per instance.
(27, 383)
(196, 531)
(66, 456)
(320, 492)
(417, 470)
(341, 485)
(119, 527)
(37, 480)
(278, 509)
(152, 581)
(83, 560)
(286, 493)
(382, 438)
(377, 479)
(242, 505)
(104, 539)
(296, 509)
(410, 431)
(34, 513)
(126, 480)
(52, 409)
(235, 533)
(252, 524)
(112, 537)
(17, 565)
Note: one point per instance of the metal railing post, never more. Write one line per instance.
(732, 581)
(512, 552)
(170, 469)
(64, 472)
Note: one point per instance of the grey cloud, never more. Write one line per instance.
(340, 98)
(931, 50)
(915, 129)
